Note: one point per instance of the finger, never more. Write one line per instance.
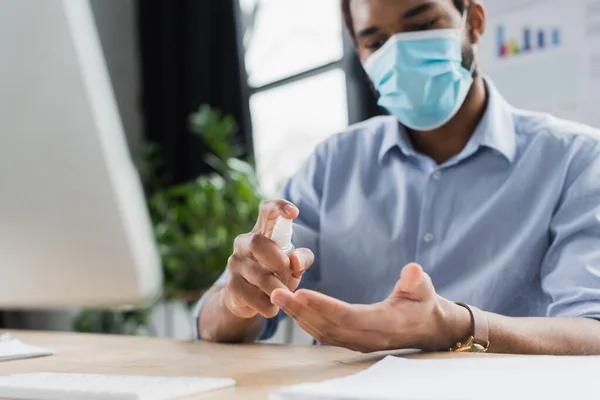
(299, 311)
(265, 251)
(335, 310)
(357, 317)
(261, 278)
(335, 322)
(293, 283)
(270, 211)
(336, 337)
(289, 303)
(414, 284)
(251, 296)
(300, 261)
(292, 309)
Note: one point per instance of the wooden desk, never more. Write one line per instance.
(258, 369)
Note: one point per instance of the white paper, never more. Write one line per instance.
(525, 377)
(13, 349)
(61, 386)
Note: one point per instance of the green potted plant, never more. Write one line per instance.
(195, 223)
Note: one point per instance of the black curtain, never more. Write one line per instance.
(191, 52)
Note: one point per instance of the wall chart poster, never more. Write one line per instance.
(544, 55)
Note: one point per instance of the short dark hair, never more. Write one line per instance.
(347, 15)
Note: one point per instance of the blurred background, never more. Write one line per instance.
(222, 100)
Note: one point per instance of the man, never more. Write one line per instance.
(499, 207)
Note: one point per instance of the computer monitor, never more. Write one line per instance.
(74, 226)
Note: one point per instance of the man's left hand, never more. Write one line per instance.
(412, 317)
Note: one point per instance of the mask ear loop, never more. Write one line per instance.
(464, 27)
(474, 63)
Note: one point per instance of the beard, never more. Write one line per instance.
(468, 58)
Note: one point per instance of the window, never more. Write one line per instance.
(288, 37)
(291, 120)
(294, 53)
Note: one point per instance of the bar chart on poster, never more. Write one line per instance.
(544, 55)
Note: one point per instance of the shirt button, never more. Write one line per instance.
(429, 238)
(437, 175)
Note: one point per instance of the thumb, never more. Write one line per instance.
(269, 212)
(414, 284)
(300, 261)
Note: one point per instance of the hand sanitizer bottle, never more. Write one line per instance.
(282, 235)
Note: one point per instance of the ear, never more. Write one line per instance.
(476, 21)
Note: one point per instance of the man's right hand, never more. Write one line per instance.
(258, 266)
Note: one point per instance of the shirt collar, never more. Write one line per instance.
(495, 130)
(395, 135)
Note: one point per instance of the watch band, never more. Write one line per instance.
(479, 341)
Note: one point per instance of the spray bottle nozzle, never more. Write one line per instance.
(282, 233)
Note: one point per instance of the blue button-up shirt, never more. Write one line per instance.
(510, 225)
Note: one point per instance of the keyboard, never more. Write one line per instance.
(50, 386)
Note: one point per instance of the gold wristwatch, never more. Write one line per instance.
(479, 339)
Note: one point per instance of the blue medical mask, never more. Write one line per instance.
(420, 77)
